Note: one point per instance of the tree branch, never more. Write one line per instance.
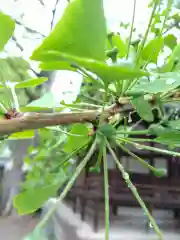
(54, 13)
(28, 121)
(41, 2)
(174, 25)
(29, 29)
(17, 44)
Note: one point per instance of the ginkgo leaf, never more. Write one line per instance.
(80, 32)
(7, 26)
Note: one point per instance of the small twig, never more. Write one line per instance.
(168, 9)
(54, 13)
(91, 99)
(35, 73)
(131, 31)
(153, 149)
(2, 108)
(106, 193)
(17, 44)
(174, 25)
(28, 28)
(156, 2)
(134, 191)
(68, 186)
(142, 161)
(11, 86)
(41, 2)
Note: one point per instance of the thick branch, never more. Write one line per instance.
(39, 120)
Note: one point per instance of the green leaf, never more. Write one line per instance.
(118, 42)
(56, 65)
(143, 108)
(46, 101)
(31, 82)
(95, 169)
(107, 73)
(22, 135)
(30, 200)
(170, 41)
(80, 32)
(7, 72)
(160, 172)
(171, 61)
(163, 83)
(170, 137)
(152, 49)
(37, 234)
(78, 138)
(175, 124)
(7, 26)
(156, 129)
(112, 73)
(107, 130)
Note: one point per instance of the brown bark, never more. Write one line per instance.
(29, 121)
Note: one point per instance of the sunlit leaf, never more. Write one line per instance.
(107, 130)
(170, 137)
(78, 138)
(156, 129)
(31, 82)
(56, 65)
(152, 49)
(32, 199)
(164, 83)
(118, 42)
(107, 73)
(172, 60)
(175, 124)
(22, 135)
(7, 26)
(37, 234)
(170, 41)
(18, 63)
(7, 72)
(143, 108)
(80, 32)
(46, 101)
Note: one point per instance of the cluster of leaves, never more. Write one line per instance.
(45, 171)
(122, 71)
(13, 70)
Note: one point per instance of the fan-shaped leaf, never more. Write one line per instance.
(164, 83)
(152, 50)
(78, 138)
(107, 73)
(22, 135)
(7, 26)
(30, 200)
(31, 82)
(143, 108)
(80, 32)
